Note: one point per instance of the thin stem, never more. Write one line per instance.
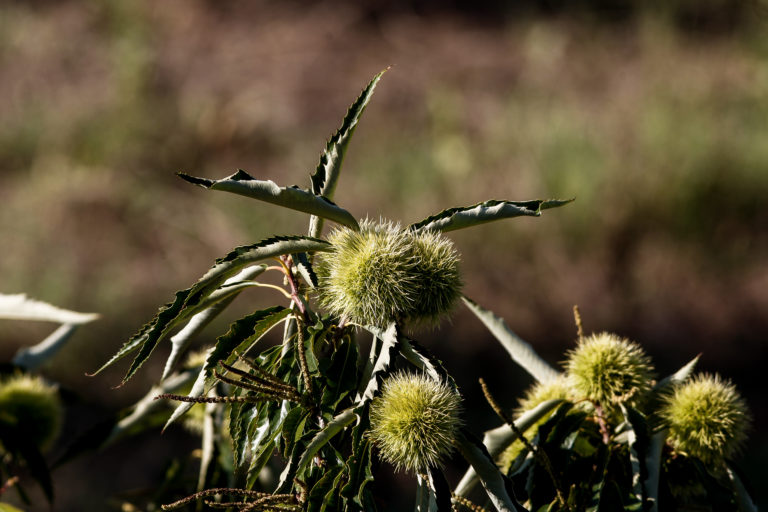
(600, 412)
(287, 263)
(303, 359)
(210, 399)
(461, 500)
(212, 492)
(8, 484)
(264, 378)
(577, 320)
(267, 391)
(281, 290)
(539, 454)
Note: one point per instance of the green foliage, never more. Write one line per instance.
(301, 425)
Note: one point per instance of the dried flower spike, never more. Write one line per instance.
(30, 405)
(608, 370)
(384, 273)
(414, 421)
(707, 418)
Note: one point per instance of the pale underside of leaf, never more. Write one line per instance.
(295, 198)
(487, 211)
(520, 351)
(743, 499)
(21, 307)
(653, 467)
(499, 439)
(226, 349)
(193, 300)
(389, 341)
(336, 425)
(31, 358)
(678, 377)
(212, 307)
(488, 474)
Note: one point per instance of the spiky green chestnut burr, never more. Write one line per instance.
(384, 273)
(415, 421)
(609, 370)
(707, 418)
(30, 405)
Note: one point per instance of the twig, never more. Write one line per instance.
(287, 263)
(602, 423)
(303, 359)
(461, 500)
(213, 492)
(577, 319)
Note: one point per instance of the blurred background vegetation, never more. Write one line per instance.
(654, 115)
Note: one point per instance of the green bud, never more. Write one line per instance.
(415, 421)
(383, 273)
(31, 406)
(707, 418)
(609, 370)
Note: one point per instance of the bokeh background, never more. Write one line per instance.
(654, 115)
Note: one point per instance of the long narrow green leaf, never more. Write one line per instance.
(193, 300)
(243, 256)
(210, 308)
(743, 499)
(487, 211)
(294, 198)
(493, 481)
(521, 352)
(653, 468)
(499, 439)
(336, 425)
(389, 339)
(628, 429)
(206, 446)
(328, 169)
(678, 377)
(147, 405)
(423, 359)
(243, 334)
(158, 329)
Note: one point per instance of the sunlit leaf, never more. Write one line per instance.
(21, 307)
(328, 169)
(520, 351)
(487, 211)
(494, 482)
(294, 198)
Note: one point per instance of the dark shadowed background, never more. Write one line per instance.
(654, 115)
